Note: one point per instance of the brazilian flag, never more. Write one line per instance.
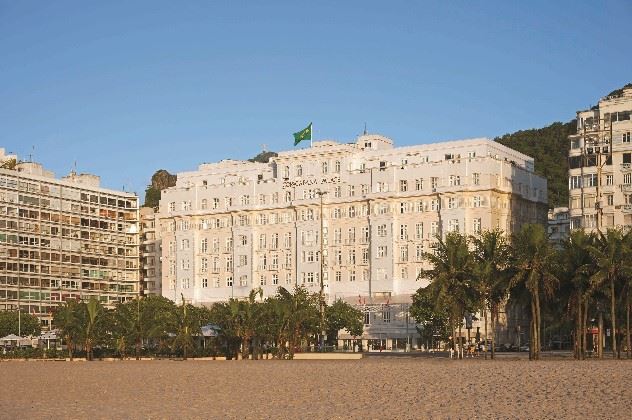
(304, 134)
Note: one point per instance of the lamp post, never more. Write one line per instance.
(322, 284)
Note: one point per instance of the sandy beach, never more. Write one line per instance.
(403, 388)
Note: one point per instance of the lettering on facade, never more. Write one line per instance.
(313, 181)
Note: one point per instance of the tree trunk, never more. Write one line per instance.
(485, 340)
(138, 349)
(493, 314)
(613, 333)
(538, 323)
(69, 345)
(585, 328)
(460, 342)
(627, 324)
(578, 326)
(453, 330)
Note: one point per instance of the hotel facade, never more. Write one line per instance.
(234, 226)
(600, 165)
(64, 238)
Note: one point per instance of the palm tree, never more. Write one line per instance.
(491, 253)
(451, 280)
(575, 271)
(66, 319)
(612, 266)
(534, 262)
(94, 315)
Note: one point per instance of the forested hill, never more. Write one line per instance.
(549, 147)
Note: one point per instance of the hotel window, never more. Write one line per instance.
(365, 235)
(243, 260)
(262, 241)
(419, 252)
(215, 267)
(228, 201)
(351, 190)
(382, 209)
(185, 264)
(338, 276)
(229, 281)
(419, 231)
(337, 167)
(287, 240)
(262, 280)
(382, 251)
(625, 138)
(365, 275)
(451, 203)
(403, 185)
(243, 280)
(325, 168)
(338, 257)
(204, 245)
(386, 316)
(299, 170)
(574, 181)
(229, 263)
(434, 205)
(365, 255)
(590, 180)
(186, 283)
(434, 228)
(403, 232)
(609, 179)
(216, 282)
(477, 226)
(204, 265)
(337, 236)
(455, 180)
(610, 199)
(215, 244)
(215, 203)
(186, 205)
(184, 244)
(404, 273)
(204, 204)
(204, 283)
(351, 236)
(337, 191)
(367, 318)
(403, 253)
(352, 276)
(310, 277)
(382, 187)
(244, 200)
(352, 211)
(453, 225)
(627, 179)
(288, 196)
(275, 279)
(274, 244)
(381, 230)
(434, 182)
(275, 198)
(288, 278)
(351, 256)
(419, 184)
(365, 189)
(286, 172)
(476, 179)
(172, 206)
(262, 199)
(477, 201)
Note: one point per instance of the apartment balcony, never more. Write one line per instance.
(626, 187)
(626, 167)
(626, 208)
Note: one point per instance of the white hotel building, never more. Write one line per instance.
(233, 226)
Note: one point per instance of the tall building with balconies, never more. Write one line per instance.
(151, 251)
(64, 238)
(233, 226)
(600, 165)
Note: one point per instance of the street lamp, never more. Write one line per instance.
(321, 193)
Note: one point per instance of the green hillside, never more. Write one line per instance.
(549, 147)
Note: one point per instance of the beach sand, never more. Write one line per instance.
(385, 388)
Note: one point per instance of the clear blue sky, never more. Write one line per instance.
(125, 88)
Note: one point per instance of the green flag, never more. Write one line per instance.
(304, 134)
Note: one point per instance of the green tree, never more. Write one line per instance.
(160, 180)
(452, 281)
(93, 319)
(67, 318)
(611, 254)
(576, 267)
(493, 274)
(340, 315)
(11, 322)
(534, 260)
(433, 319)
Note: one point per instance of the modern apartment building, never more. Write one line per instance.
(64, 238)
(233, 226)
(151, 251)
(600, 165)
